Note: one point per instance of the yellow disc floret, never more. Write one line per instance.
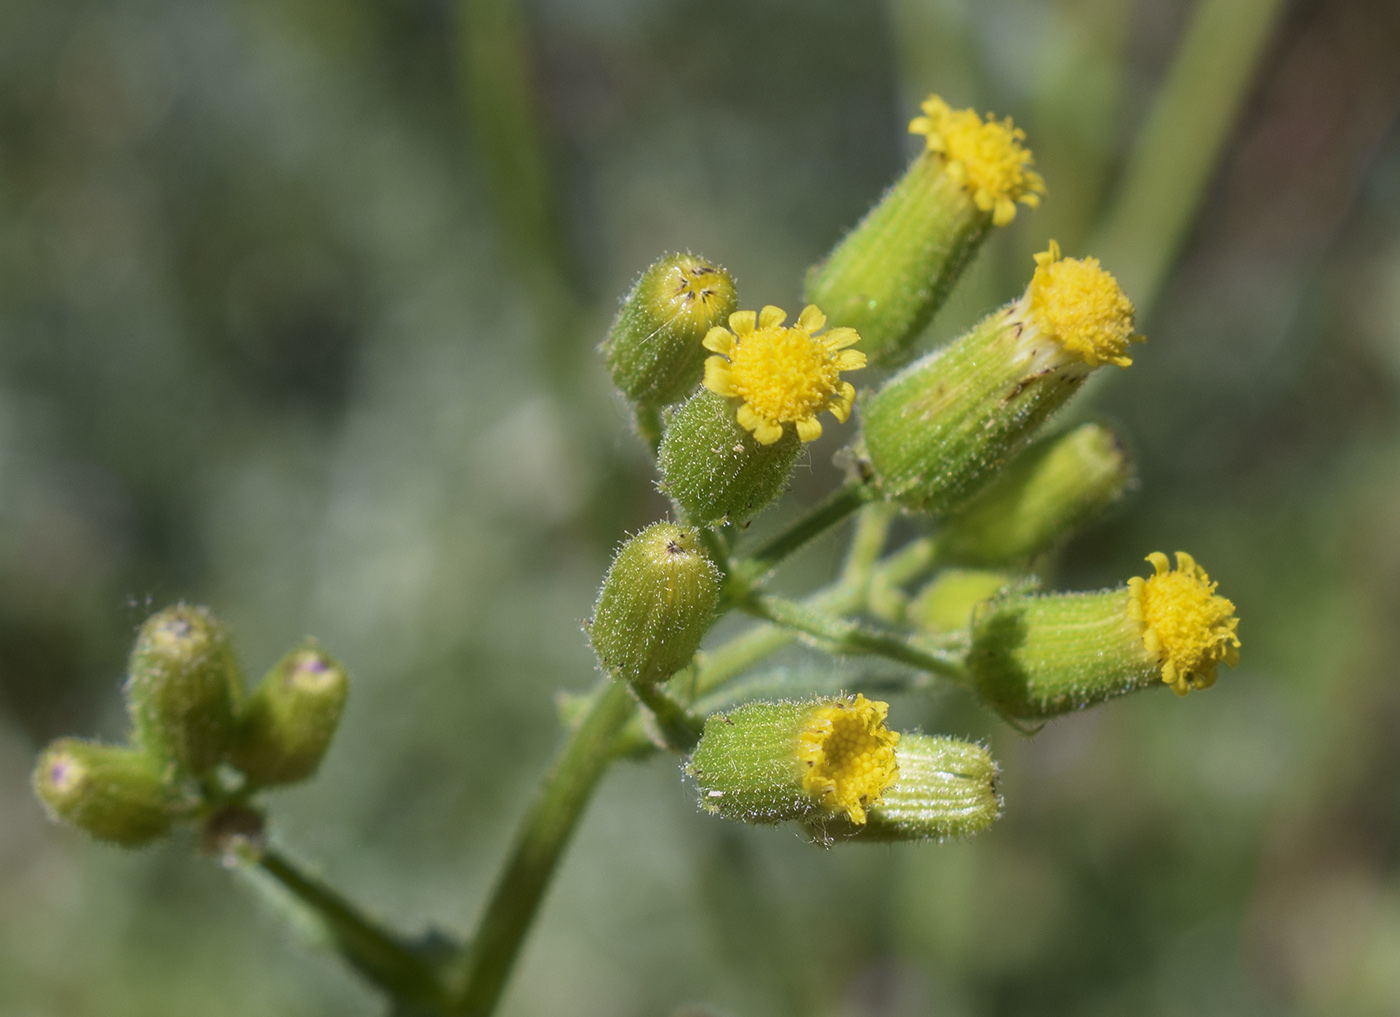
(1082, 307)
(986, 156)
(1186, 626)
(783, 375)
(848, 755)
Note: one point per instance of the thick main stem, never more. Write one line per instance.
(374, 951)
(540, 841)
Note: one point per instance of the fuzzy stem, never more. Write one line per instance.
(838, 505)
(539, 843)
(682, 730)
(375, 952)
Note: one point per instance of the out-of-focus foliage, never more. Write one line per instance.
(273, 337)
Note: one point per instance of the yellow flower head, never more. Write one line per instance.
(849, 755)
(986, 157)
(1082, 307)
(1185, 625)
(783, 375)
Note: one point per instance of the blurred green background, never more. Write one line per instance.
(297, 307)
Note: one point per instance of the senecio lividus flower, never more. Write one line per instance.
(1039, 655)
(727, 453)
(834, 766)
(941, 429)
(893, 271)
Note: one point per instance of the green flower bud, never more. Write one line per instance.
(658, 601)
(653, 349)
(715, 469)
(813, 760)
(1048, 492)
(946, 604)
(115, 793)
(892, 272)
(1037, 656)
(287, 724)
(946, 788)
(938, 431)
(182, 687)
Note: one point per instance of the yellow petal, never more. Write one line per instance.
(840, 338)
(1159, 562)
(718, 340)
(743, 322)
(748, 419)
(717, 377)
(841, 406)
(849, 360)
(811, 319)
(809, 429)
(767, 432)
(771, 317)
(920, 125)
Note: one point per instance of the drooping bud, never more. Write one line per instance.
(653, 349)
(1049, 491)
(946, 788)
(716, 470)
(658, 601)
(115, 793)
(287, 724)
(938, 431)
(771, 762)
(892, 272)
(945, 605)
(1040, 655)
(182, 687)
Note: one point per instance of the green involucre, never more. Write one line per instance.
(747, 764)
(890, 274)
(715, 469)
(1036, 656)
(114, 793)
(287, 724)
(657, 602)
(653, 348)
(1055, 487)
(182, 687)
(938, 431)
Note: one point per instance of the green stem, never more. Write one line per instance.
(372, 950)
(841, 503)
(885, 599)
(681, 728)
(648, 420)
(847, 636)
(539, 843)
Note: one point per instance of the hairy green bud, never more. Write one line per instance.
(811, 760)
(946, 788)
(892, 272)
(717, 470)
(115, 793)
(287, 724)
(182, 687)
(657, 602)
(1049, 491)
(653, 350)
(938, 431)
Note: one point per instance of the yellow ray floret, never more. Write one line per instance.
(783, 375)
(986, 157)
(1185, 624)
(848, 755)
(1082, 307)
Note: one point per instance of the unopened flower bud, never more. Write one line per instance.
(115, 793)
(1049, 491)
(946, 788)
(287, 724)
(653, 349)
(813, 760)
(892, 272)
(1040, 655)
(182, 687)
(938, 431)
(658, 601)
